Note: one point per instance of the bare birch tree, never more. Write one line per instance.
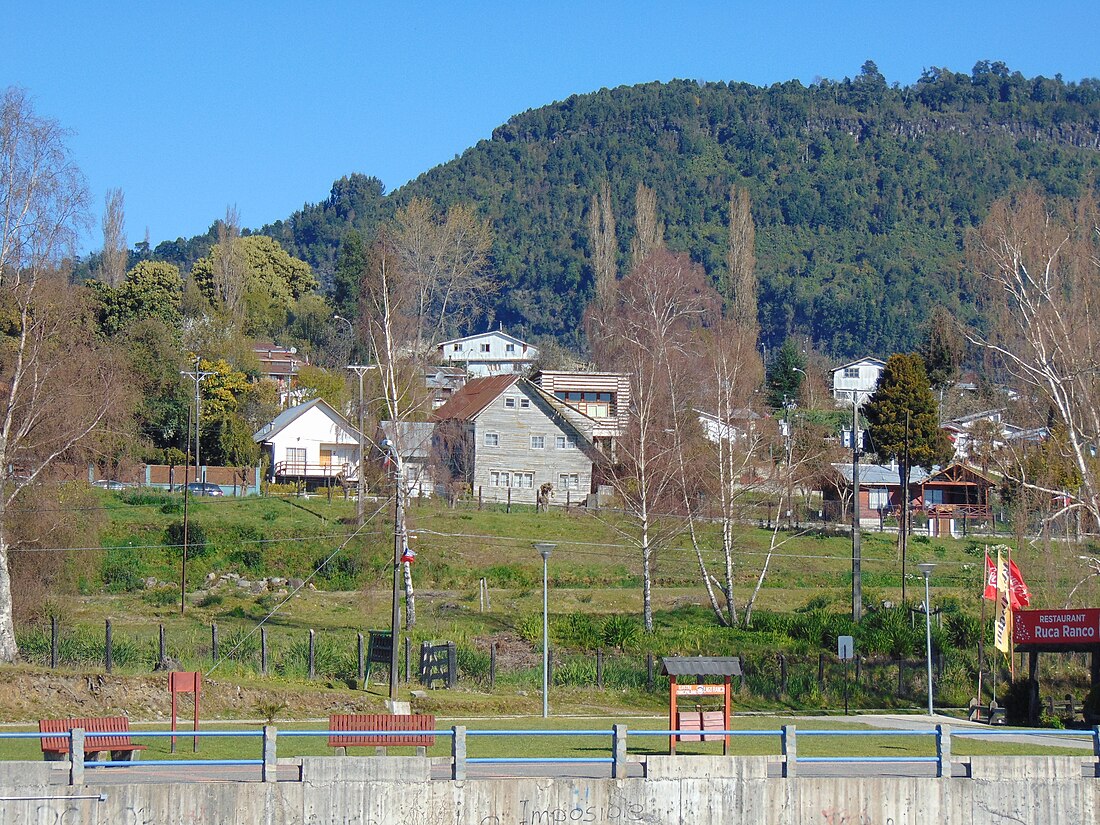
(648, 333)
(740, 291)
(56, 386)
(605, 246)
(113, 264)
(1040, 261)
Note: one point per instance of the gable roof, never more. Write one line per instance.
(878, 362)
(475, 396)
(499, 332)
(880, 475)
(288, 416)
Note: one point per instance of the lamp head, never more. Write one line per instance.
(926, 568)
(544, 548)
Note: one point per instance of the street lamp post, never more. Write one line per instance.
(545, 548)
(926, 571)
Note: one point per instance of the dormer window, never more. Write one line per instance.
(851, 372)
(510, 402)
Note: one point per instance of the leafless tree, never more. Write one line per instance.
(1040, 262)
(443, 261)
(57, 386)
(740, 292)
(230, 273)
(648, 333)
(113, 266)
(605, 246)
(649, 232)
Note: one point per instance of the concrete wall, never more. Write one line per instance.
(696, 789)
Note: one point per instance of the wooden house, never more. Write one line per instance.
(603, 397)
(506, 437)
(489, 353)
(311, 443)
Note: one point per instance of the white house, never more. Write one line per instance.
(856, 378)
(489, 353)
(311, 442)
(740, 423)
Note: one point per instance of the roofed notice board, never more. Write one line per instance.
(1074, 627)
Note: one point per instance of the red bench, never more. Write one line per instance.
(118, 744)
(338, 722)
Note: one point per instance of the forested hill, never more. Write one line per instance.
(862, 192)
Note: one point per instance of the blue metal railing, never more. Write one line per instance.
(787, 737)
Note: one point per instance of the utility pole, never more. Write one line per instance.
(361, 481)
(857, 559)
(398, 552)
(903, 527)
(197, 376)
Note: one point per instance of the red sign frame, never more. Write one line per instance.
(1075, 627)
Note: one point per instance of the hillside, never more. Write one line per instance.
(862, 192)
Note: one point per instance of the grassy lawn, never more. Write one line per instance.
(568, 745)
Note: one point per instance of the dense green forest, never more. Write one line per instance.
(862, 192)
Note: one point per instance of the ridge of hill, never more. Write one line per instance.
(862, 192)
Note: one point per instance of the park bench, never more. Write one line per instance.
(701, 721)
(1063, 708)
(339, 722)
(992, 715)
(118, 744)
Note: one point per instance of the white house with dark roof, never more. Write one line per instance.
(489, 353)
(856, 378)
(311, 442)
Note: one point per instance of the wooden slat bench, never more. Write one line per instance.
(338, 722)
(990, 715)
(119, 745)
(701, 721)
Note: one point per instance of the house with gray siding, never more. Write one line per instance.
(506, 437)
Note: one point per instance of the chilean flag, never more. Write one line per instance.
(1021, 596)
(409, 556)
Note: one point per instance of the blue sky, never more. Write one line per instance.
(189, 107)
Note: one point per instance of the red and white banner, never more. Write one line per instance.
(1021, 596)
(1080, 626)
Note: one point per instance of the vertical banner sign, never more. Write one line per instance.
(1002, 629)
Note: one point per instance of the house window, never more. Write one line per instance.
(525, 402)
(523, 480)
(492, 439)
(509, 402)
(563, 442)
(499, 478)
(509, 347)
(326, 457)
(851, 372)
(296, 458)
(569, 481)
(458, 348)
(878, 498)
(484, 347)
(538, 442)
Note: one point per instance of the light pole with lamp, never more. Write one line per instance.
(926, 571)
(545, 548)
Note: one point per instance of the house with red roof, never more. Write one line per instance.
(506, 437)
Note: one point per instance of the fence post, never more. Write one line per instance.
(649, 671)
(76, 756)
(452, 665)
(263, 651)
(782, 674)
(271, 762)
(790, 750)
(360, 670)
(859, 666)
(408, 659)
(458, 753)
(312, 653)
(943, 750)
(108, 652)
(821, 670)
(162, 644)
(214, 641)
(599, 668)
(618, 747)
(53, 642)
(492, 665)
(508, 506)
(479, 496)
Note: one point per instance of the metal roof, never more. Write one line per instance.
(881, 475)
(475, 396)
(701, 666)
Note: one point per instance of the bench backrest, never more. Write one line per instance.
(380, 722)
(91, 724)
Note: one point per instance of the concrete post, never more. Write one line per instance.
(458, 753)
(76, 756)
(618, 747)
(943, 750)
(1096, 739)
(790, 751)
(270, 768)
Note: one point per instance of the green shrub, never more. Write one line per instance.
(529, 628)
(211, 600)
(576, 630)
(197, 545)
(621, 631)
(472, 663)
(122, 570)
(161, 596)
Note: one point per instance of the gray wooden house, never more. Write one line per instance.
(503, 435)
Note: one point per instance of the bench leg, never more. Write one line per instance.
(421, 750)
(124, 756)
(341, 751)
(55, 756)
(380, 751)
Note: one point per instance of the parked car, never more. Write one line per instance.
(204, 488)
(110, 484)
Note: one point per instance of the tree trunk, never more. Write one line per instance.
(8, 649)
